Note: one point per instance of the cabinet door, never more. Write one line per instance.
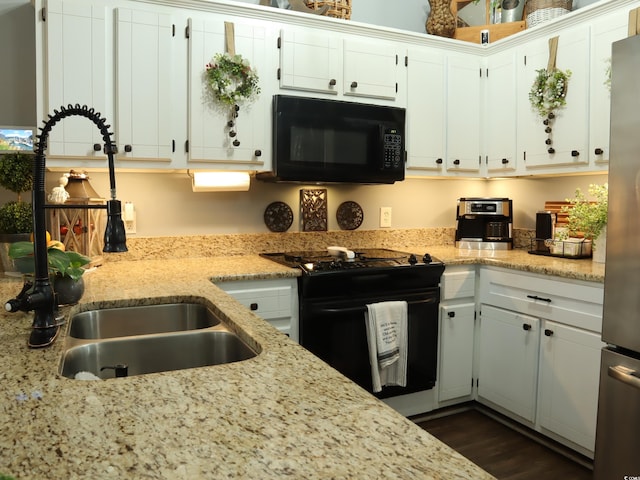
(210, 143)
(310, 61)
(605, 31)
(144, 52)
(570, 127)
(426, 115)
(508, 360)
(370, 69)
(75, 44)
(463, 114)
(456, 351)
(499, 122)
(569, 377)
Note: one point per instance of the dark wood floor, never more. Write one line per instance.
(500, 450)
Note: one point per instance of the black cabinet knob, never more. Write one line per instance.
(439, 161)
(354, 84)
(548, 332)
(526, 327)
(598, 151)
(551, 150)
(332, 82)
(258, 153)
(128, 148)
(96, 147)
(505, 161)
(253, 307)
(451, 314)
(456, 162)
(575, 153)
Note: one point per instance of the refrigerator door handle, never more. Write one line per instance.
(625, 375)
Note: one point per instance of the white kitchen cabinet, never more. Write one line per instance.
(498, 125)
(76, 53)
(605, 30)
(342, 65)
(508, 360)
(144, 91)
(457, 330)
(210, 143)
(570, 128)
(463, 114)
(426, 88)
(276, 301)
(569, 379)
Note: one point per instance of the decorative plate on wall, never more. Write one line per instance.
(278, 217)
(349, 215)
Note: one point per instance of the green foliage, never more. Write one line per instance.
(63, 263)
(588, 216)
(16, 217)
(549, 91)
(231, 79)
(16, 172)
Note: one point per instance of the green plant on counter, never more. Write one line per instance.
(586, 216)
(63, 263)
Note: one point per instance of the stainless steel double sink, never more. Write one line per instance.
(135, 340)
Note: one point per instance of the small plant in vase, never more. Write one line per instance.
(588, 217)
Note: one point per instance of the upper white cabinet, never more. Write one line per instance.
(605, 30)
(341, 65)
(426, 87)
(498, 125)
(463, 114)
(211, 135)
(75, 51)
(567, 150)
(144, 90)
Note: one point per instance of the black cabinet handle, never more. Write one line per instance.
(332, 82)
(451, 314)
(575, 153)
(128, 148)
(548, 332)
(439, 161)
(258, 153)
(253, 306)
(96, 147)
(505, 161)
(354, 84)
(551, 150)
(598, 151)
(535, 297)
(456, 162)
(526, 327)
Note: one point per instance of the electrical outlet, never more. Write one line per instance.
(129, 218)
(385, 217)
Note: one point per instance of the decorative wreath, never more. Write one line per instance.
(549, 91)
(231, 79)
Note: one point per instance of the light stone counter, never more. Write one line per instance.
(281, 414)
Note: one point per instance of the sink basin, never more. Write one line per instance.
(154, 353)
(141, 320)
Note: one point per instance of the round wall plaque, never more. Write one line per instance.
(278, 217)
(349, 215)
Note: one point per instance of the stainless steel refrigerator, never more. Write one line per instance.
(617, 454)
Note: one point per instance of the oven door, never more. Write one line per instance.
(335, 332)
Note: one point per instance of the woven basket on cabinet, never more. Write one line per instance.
(337, 8)
(540, 11)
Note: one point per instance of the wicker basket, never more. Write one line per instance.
(337, 8)
(540, 11)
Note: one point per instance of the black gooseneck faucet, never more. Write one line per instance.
(41, 298)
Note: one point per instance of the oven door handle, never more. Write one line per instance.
(363, 308)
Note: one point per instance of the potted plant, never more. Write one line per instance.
(16, 219)
(65, 268)
(588, 218)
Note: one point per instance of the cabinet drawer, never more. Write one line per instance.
(571, 302)
(458, 282)
(268, 302)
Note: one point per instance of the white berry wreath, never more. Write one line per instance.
(231, 79)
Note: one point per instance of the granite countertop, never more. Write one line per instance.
(282, 413)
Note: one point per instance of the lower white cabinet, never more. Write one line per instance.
(568, 397)
(276, 301)
(508, 360)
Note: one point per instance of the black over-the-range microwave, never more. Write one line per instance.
(330, 141)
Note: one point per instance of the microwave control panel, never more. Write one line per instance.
(392, 143)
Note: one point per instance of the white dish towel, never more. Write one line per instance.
(386, 324)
